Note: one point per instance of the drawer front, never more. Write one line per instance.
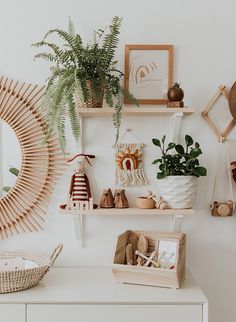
(12, 312)
(114, 313)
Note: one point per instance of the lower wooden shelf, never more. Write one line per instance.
(78, 215)
(130, 211)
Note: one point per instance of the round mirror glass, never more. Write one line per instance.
(10, 158)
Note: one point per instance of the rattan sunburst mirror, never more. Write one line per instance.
(23, 208)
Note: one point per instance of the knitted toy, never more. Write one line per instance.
(79, 186)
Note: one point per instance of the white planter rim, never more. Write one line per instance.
(180, 176)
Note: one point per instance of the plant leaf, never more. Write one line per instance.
(157, 161)
(188, 140)
(6, 189)
(180, 149)
(14, 171)
(200, 171)
(161, 175)
(156, 142)
(195, 152)
(170, 146)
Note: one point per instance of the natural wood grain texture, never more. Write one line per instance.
(169, 48)
(131, 211)
(26, 202)
(135, 111)
(222, 135)
(132, 274)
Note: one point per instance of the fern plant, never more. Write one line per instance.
(73, 65)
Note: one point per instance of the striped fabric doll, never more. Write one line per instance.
(79, 185)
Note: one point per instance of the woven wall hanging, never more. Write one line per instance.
(24, 206)
(129, 162)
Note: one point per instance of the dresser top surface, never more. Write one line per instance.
(97, 286)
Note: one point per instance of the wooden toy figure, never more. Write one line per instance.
(79, 192)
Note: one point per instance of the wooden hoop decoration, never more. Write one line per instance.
(232, 100)
(24, 206)
(222, 136)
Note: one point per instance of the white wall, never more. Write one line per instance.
(203, 33)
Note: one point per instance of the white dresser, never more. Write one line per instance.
(91, 295)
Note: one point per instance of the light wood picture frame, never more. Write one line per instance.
(23, 208)
(167, 250)
(149, 72)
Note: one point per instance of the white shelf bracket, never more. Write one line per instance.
(78, 227)
(79, 144)
(175, 127)
(78, 218)
(177, 223)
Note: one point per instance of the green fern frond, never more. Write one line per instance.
(108, 97)
(56, 49)
(74, 121)
(117, 119)
(97, 88)
(68, 38)
(111, 39)
(46, 56)
(60, 120)
(129, 96)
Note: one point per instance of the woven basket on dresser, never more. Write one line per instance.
(93, 101)
(19, 280)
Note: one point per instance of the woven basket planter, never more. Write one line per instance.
(93, 101)
(19, 280)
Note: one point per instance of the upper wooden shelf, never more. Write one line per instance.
(130, 211)
(139, 111)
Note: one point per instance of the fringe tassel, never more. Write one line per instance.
(127, 178)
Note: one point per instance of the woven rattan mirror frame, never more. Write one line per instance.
(24, 207)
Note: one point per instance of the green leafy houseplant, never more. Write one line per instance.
(183, 162)
(74, 64)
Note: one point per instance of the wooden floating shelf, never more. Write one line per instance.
(130, 211)
(139, 111)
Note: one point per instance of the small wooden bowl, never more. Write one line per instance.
(145, 203)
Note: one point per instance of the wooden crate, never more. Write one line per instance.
(162, 277)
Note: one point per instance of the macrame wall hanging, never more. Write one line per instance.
(129, 162)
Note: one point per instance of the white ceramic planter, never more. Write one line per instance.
(178, 191)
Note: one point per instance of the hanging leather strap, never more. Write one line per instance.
(222, 140)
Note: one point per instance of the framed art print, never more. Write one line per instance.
(167, 253)
(149, 72)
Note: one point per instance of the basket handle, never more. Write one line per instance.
(55, 254)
